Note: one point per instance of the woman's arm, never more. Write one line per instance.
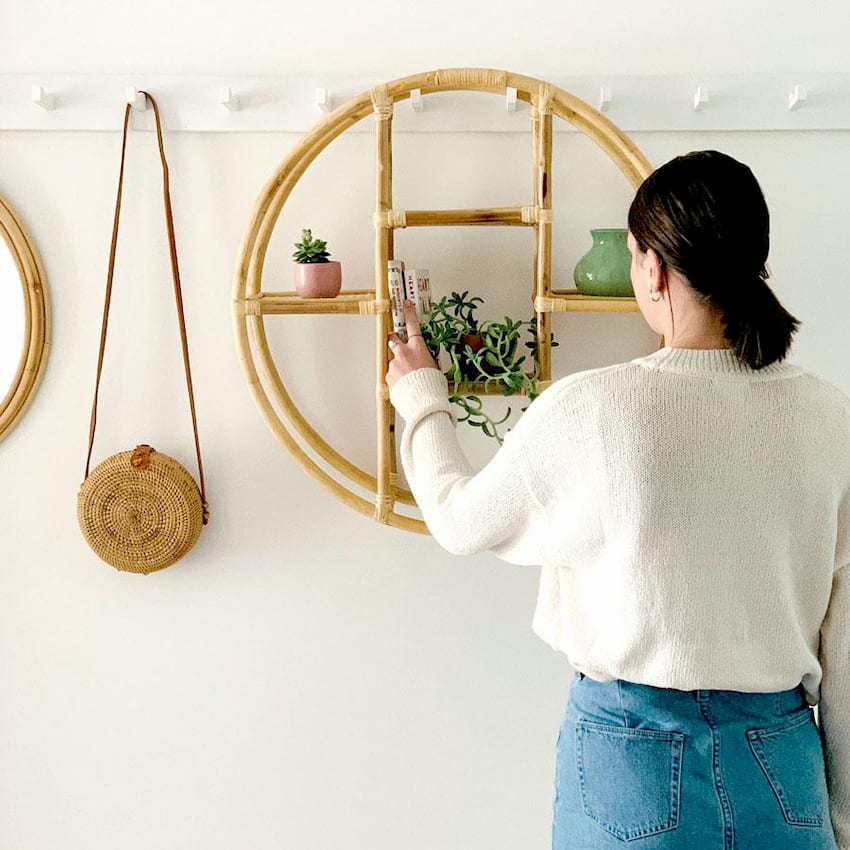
(494, 509)
(834, 705)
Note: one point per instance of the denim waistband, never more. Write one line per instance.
(623, 695)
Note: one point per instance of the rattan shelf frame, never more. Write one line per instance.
(251, 304)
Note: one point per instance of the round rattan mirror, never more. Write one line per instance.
(251, 304)
(24, 319)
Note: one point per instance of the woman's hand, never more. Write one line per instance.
(410, 355)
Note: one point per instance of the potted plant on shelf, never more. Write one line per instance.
(485, 352)
(315, 275)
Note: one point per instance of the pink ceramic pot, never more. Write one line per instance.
(318, 280)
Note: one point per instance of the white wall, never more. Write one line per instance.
(306, 677)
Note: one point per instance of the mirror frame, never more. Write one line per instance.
(36, 318)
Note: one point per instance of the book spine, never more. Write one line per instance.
(395, 283)
(423, 287)
(417, 287)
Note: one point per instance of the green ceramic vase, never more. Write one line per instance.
(605, 268)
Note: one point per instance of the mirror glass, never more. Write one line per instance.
(12, 318)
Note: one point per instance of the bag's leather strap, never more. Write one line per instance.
(177, 292)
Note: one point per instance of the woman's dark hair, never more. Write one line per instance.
(704, 213)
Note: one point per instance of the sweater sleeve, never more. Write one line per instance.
(493, 509)
(834, 705)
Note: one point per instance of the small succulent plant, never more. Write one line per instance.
(481, 351)
(310, 250)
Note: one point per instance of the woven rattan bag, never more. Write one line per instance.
(140, 510)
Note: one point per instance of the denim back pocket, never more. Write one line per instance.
(630, 778)
(791, 758)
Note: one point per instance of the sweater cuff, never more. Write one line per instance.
(420, 392)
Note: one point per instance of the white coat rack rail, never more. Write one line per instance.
(207, 103)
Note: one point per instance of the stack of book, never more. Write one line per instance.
(410, 284)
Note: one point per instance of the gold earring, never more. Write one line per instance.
(653, 294)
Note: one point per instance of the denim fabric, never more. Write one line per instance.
(645, 767)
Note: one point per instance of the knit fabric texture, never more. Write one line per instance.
(691, 516)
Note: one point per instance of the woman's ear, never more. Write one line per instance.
(656, 266)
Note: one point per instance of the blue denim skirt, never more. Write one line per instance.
(646, 767)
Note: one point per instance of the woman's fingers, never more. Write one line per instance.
(411, 320)
(410, 355)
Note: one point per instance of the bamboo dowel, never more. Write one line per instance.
(542, 148)
(480, 388)
(568, 302)
(384, 497)
(519, 216)
(358, 302)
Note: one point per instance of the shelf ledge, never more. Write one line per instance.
(357, 301)
(520, 216)
(570, 300)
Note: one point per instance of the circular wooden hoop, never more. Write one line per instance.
(36, 318)
(247, 281)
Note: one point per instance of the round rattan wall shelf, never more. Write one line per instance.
(251, 304)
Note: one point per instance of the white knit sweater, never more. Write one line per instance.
(691, 516)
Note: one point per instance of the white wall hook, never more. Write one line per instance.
(700, 98)
(416, 100)
(136, 99)
(42, 98)
(323, 100)
(796, 96)
(510, 99)
(604, 98)
(228, 99)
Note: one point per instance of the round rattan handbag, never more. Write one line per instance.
(140, 510)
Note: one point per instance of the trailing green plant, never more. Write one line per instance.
(310, 250)
(482, 351)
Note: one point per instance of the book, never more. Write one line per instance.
(417, 288)
(395, 284)
(407, 284)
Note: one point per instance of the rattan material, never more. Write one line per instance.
(140, 518)
(250, 304)
(141, 510)
(36, 334)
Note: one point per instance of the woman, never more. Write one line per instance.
(690, 510)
